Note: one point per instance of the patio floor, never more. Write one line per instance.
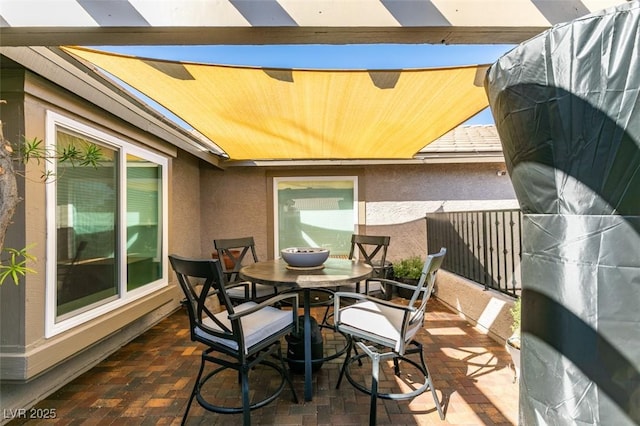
(149, 380)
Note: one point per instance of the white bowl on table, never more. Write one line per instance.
(304, 257)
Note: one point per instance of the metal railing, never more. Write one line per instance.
(482, 246)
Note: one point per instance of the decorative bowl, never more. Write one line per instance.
(304, 257)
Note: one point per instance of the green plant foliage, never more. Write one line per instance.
(516, 312)
(410, 267)
(34, 150)
(16, 266)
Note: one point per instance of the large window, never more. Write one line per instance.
(315, 212)
(86, 232)
(109, 226)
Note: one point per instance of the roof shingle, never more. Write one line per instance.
(466, 139)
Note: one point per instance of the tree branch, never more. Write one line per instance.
(8, 189)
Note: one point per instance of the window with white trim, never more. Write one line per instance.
(316, 211)
(109, 224)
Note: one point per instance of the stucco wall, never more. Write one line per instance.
(488, 311)
(398, 197)
(236, 202)
(233, 203)
(184, 206)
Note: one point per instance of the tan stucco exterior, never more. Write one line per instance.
(393, 200)
(488, 310)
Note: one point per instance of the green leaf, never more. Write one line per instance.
(410, 267)
(33, 150)
(16, 266)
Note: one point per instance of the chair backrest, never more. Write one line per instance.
(371, 249)
(422, 293)
(199, 280)
(235, 249)
(427, 279)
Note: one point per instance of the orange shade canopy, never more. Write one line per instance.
(280, 114)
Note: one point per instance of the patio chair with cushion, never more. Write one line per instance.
(385, 330)
(239, 338)
(371, 249)
(232, 252)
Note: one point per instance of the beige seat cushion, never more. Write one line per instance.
(380, 320)
(256, 326)
(262, 290)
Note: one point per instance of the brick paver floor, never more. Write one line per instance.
(149, 380)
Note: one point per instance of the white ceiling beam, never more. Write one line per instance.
(153, 22)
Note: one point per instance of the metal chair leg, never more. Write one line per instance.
(373, 390)
(396, 367)
(375, 370)
(196, 385)
(286, 375)
(344, 364)
(246, 406)
(325, 317)
(433, 390)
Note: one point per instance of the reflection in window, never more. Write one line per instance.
(86, 206)
(316, 212)
(144, 237)
(109, 224)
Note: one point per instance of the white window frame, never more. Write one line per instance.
(276, 219)
(124, 297)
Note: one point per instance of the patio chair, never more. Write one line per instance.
(371, 249)
(385, 330)
(239, 338)
(232, 253)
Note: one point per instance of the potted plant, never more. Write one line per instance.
(408, 271)
(513, 342)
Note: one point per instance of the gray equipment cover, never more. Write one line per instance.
(567, 108)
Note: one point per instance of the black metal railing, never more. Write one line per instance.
(482, 246)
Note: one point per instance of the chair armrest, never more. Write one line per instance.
(244, 284)
(393, 283)
(361, 296)
(396, 284)
(271, 301)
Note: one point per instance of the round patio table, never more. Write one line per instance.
(335, 272)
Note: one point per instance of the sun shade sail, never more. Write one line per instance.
(263, 113)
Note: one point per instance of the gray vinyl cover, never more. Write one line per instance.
(567, 108)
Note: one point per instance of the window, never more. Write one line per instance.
(144, 239)
(315, 212)
(109, 226)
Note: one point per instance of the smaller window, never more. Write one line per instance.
(315, 212)
(144, 222)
